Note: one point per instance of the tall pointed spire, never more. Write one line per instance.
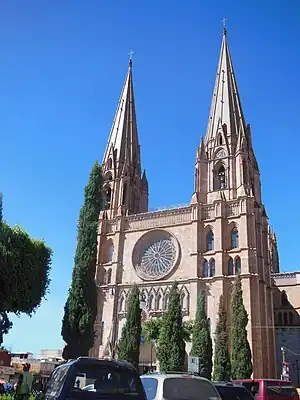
(226, 106)
(123, 138)
(126, 190)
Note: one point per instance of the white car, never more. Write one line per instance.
(169, 386)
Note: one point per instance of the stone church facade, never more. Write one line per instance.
(223, 231)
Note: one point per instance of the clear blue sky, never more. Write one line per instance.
(62, 67)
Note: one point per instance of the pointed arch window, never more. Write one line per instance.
(124, 194)
(151, 301)
(209, 240)
(220, 139)
(230, 267)
(205, 269)
(220, 178)
(159, 302)
(237, 265)
(212, 267)
(234, 238)
(109, 164)
(108, 196)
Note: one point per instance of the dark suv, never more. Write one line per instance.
(89, 378)
(230, 391)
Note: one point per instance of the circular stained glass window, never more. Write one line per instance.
(155, 254)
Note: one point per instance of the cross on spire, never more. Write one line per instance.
(131, 53)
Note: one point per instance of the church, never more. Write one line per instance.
(223, 231)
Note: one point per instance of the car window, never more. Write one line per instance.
(106, 380)
(150, 386)
(280, 389)
(253, 387)
(189, 389)
(234, 393)
(56, 381)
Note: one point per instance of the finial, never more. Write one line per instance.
(224, 20)
(131, 53)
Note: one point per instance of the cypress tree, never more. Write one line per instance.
(171, 344)
(241, 364)
(129, 344)
(201, 339)
(222, 367)
(81, 305)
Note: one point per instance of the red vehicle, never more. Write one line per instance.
(270, 389)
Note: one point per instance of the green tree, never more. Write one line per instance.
(201, 339)
(241, 364)
(25, 266)
(222, 366)
(81, 306)
(171, 344)
(129, 344)
(152, 327)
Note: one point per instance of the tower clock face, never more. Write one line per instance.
(155, 255)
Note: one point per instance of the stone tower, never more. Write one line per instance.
(224, 230)
(126, 188)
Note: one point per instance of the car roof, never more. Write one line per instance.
(97, 361)
(163, 375)
(229, 384)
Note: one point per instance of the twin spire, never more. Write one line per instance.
(123, 140)
(226, 105)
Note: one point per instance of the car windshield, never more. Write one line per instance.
(189, 388)
(94, 380)
(150, 386)
(233, 392)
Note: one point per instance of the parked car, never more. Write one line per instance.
(89, 378)
(231, 391)
(270, 389)
(177, 386)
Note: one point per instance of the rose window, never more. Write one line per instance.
(155, 254)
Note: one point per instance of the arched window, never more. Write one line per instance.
(284, 299)
(285, 319)
(110, 253)
(220, 140)
(279, 319)
(205, 269)
(234, 238)
(166, 301)
(291, 319)
(209, 241)
(124, 194)
(230, 267)
(159, 302)
(182, 298)
(237, 265)
(220, 181)
(245, 172)
(122, 304)
(109, 165)
(212, 267)
(108, 197)
(109, 276)
(151, 301)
